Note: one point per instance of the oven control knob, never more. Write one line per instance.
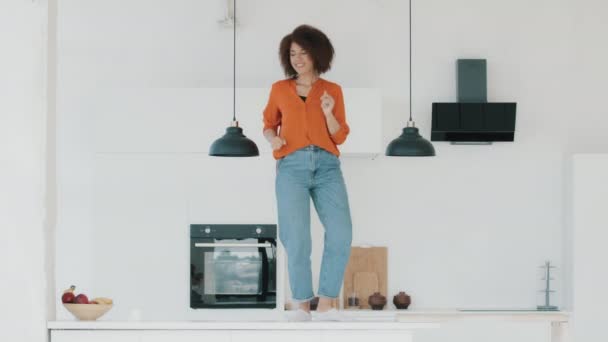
(207, 230)
(258, 230)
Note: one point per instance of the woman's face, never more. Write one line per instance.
(300, 59)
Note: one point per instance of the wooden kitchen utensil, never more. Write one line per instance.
(366, 284)
(365, 259)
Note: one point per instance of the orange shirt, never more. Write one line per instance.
(302, 123)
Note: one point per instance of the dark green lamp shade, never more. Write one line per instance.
(234, 144)
(410, 144)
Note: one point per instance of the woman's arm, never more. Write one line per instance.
(275, 141)
(272, 121)
(335, 116)
(269, 134)
(332, 123)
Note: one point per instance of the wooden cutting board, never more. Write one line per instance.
(365, 259)
(365, 284)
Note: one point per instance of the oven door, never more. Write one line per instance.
(233, 273)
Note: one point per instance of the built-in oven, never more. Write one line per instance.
(233, 266)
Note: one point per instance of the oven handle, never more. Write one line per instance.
(212, 244)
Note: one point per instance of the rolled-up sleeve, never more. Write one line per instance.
(272, 114)
(340, 114)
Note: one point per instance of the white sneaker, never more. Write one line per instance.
(330, 315)
(299, 316)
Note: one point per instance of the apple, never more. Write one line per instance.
(81, 299)
(68, 297)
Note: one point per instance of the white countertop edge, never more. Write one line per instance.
(504, 315)
(260, 325)
(481, 312)
(360, 320)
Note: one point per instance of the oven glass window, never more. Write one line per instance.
(234, 270)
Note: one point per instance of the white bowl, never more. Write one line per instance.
(87, 312)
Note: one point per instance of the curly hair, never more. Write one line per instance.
(312, 40)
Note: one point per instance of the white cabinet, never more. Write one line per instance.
(365, 336)
(291, 335)
(262, 331)
(186, 120)
(364, 117)
(184, 336)
(140, 336)
(94, 336)
(276, 336)
(589, 248)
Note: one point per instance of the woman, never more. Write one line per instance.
(304, 121)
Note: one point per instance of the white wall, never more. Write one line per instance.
(22, 170)
(466, 228)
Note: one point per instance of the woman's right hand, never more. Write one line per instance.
(277, 142)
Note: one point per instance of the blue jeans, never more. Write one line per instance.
(312, 172)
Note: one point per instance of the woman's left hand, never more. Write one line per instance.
(327, 103)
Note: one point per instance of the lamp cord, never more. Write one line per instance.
(410, 60)
(234, 60)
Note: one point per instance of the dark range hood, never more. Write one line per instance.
(473, 122)
(472, 119)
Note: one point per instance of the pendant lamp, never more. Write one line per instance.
(234, 143)
(410, 143)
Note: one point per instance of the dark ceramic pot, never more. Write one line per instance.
(402, 300)
(377, 301)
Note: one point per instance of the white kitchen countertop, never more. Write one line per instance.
(359, 320)
(439, 315)
(207, 325)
